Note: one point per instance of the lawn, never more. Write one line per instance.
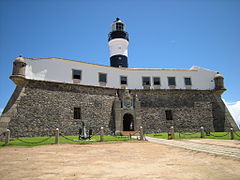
(36, 141)
(188, 135)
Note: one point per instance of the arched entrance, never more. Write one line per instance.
(128, 123)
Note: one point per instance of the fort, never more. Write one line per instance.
(60, 93)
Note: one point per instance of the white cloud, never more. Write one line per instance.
(1, 110)
(234, 108)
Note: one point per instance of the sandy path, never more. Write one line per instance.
(226, 143)
(129, 160)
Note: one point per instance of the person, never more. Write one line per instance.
(79, 133)
(131, 126)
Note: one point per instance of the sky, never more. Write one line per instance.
(163, 34)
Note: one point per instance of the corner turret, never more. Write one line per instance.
(18, 73)
(219, 83)
(19, 66)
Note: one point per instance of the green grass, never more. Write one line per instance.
(94, 139)
(195, 135)
(62, 140)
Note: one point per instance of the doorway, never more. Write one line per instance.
(128, 123)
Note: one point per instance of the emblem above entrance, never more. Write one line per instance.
(127, 101)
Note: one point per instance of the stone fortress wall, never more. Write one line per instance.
(38, 107)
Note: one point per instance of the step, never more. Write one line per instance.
(127, 133)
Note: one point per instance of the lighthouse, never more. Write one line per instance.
(118, 44)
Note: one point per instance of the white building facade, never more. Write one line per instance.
(68, 71)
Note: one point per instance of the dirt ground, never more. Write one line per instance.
(126, 160)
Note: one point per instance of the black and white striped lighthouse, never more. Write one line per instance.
(118, 44)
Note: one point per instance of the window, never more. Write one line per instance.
(102, 78)
(77, 113)
(171, 81)
(146, 81)
(156, 81)
(123, 80)
(168, 115)
(119, 27)
(188, 81)
(76, 74)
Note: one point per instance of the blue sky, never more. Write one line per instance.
(163, 34)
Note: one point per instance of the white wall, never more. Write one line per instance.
(118, 46)
(60, 70)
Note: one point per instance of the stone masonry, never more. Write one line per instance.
(44, 106)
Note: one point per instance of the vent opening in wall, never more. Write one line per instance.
(169, 115)
(77, 113)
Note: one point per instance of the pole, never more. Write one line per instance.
(172, 132)
(7, 137)
(231, 133)
(102, 134)
(202, 132)
(141, 133)
(57, 136)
